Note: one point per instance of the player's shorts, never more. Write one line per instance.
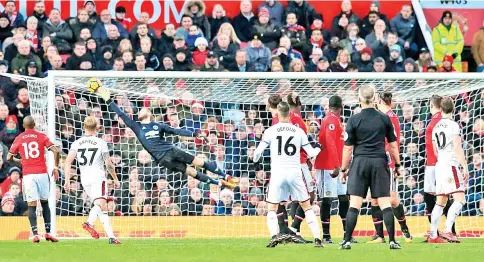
(176, 160)
(285, 183)
(448, 179)
(329, 187)
(96, 190)
(36, 187)
(372, 173)
(429, 179)
(308, 178)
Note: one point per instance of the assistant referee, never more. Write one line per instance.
(365, 137)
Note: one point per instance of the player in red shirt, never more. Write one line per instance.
(31, 146)
(385, 106)
(328, 165)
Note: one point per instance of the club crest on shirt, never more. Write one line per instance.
(331, 127)
(328, 193)
(451, 180)
(155, 127)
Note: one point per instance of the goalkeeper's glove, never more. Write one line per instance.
(104, 93)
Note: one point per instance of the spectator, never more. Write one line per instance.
(212, 63)
(194, 205)
(318, 25)
(11, 50)
(241, 64)
(33, 34)
(379, 65)
(107, 62)
(304, 12)
(79, 23)
(144, 18)
(151, 55)
(296, 65)
(112, 38)
(312, 65)
(181, 61)
(166, 41)
(10, 132)
(5, 28)
(343, 19)
(410, 66)
(258, 54)
(448, 64)
(75, 60)
(225, 50)
(24, 55)
(120, 17)
(59, 31)
(244, 20)
(8, 207)
(16, 18)
(316, 41)
(405, 24)
(383, 50)
(341, 63)
(90, 7)
(275, 9)
(365, 64)
(200, 53)
(224, 205)
(237, 210)
(289, 52)
(193, 33)
(368, 23)
(349, 43)
(478, 48)
(424, 60)
(227, 29)
(140, 62)
(359, 46)
(196, 10)
(168, 63)
(448, 40)
(331, 50)
(39, 13)
(92, 49)
(184, 28)
(100, 31)
(269, 32)
(217, 19)
(296, 33)
(395, 62)
(178, 42)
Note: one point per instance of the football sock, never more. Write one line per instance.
(429, 205)
(212, 167)
(206, 179)
(312, 223)
(325, 213)
(435, 219)
(106, 224)
(454, 211)
(272, 223)
(294, 206)
(351, 219)
(446, 212)
(377, 216)
(389, 222)
(400, 216)
(46, 215)
(298, 218)
(33, 219)
(282, 218)
(93, 214)
(344, 204)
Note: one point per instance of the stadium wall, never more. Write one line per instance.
(17, 228)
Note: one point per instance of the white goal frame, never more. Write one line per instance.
(52, 75)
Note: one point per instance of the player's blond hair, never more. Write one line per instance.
(90, 124)
(367, 94)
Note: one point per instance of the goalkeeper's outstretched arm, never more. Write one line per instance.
(106, 96)
(176, 131)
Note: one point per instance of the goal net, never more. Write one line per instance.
(231, 109)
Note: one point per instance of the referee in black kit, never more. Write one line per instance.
(365, 137)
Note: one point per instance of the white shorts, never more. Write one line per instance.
(328, 186)
(36, 187)
(96, 190)
(308, 178)
(448, 180)
(285, 183)
(429, 179)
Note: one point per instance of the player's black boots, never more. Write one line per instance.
(114, 241)
(298, 239)
(276, 240)
(345, 245)
(318, 243)
(395, 245)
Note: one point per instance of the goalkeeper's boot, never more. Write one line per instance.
(91, 230)
(318, 243)
(395, 245)
(407, 236)
(437, 240)
(451, 238)
(298, 239)
(376, 239)
(36, 239)
(50, 238)
(114, 241)
(345, 245)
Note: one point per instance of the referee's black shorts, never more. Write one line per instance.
(370, 173)
(176, 160)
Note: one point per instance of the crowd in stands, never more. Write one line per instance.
(276, 38)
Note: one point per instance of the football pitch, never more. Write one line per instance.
(230, 250)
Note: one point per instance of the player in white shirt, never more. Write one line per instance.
(285, 141)
(92, 154)
(447, 143)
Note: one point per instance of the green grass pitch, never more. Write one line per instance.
(230, 250)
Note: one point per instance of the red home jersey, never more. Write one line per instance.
(331, 138)
(31, 146)
(296, 120)
(429, 148)
(396, 126)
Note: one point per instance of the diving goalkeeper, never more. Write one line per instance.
(152, 137)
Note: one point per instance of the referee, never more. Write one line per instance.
(365, 137)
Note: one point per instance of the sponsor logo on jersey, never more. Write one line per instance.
(152, 134)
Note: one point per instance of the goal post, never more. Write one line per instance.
(230, 108)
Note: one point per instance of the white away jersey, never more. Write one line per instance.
(285, 141)
(442, 137)
(90, 152)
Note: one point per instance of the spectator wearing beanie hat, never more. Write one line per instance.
(107, 60)
(269, 32)
(448, 64)
(410, 66)
(90, 7)
(8, 207)
(365, 63)
(181, 61)
(201, 51)
(167, 63)
(395, 61)
(10, 132)
(318, 24)
(448, 40)
(120, 17)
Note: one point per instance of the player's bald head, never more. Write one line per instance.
(29, 122)
(90, 124)
(143, 114)
(283, 110)
(367, 94)
(447, 105)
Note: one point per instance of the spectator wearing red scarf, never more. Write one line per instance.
(296, 33)
(447, 64)
(32, 34)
